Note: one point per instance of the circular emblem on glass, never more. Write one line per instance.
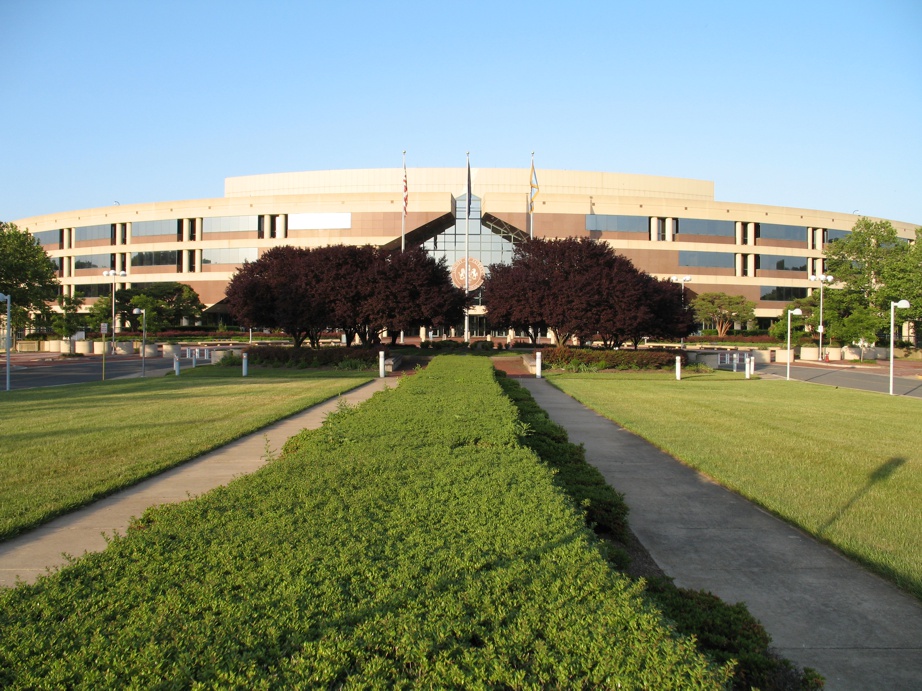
(474, 273)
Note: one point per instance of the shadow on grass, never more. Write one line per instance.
(881, 474)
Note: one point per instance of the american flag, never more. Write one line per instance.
(468, 186)
(405, 194)
(534, 186)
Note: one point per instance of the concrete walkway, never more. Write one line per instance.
(821, 610)
(28, 556)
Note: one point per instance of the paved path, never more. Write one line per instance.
(821, 610)
(28, 556)
(907, 376)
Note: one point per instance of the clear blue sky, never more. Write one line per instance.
(805, 104)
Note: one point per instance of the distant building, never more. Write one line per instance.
(669, 227)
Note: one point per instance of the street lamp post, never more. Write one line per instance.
(903, 305)
(682, 281)
(823, 279)
(9, 341)
(798, 312)
(113, 274)
(143, 313)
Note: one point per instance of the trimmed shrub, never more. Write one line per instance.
(286, 356)
(591, 359)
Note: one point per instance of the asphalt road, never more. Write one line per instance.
(35, 373)
(905, 382)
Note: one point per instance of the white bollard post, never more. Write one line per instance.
(381, 364)
(245, 365)
(538, 365)
(734, 357)
(678, 368)
(176, 365)
(747, 365)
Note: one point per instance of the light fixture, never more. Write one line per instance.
(112, 275)
(9, 341)
(823, 279)
(143, 313)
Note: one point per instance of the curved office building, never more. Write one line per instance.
(669, 227)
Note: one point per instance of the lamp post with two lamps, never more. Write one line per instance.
(682, 281)
(903, 305)
(112, 275)
(823, 279)
(796, 311)
(143, 313)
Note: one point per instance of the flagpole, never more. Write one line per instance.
(532, 193)
(403, 219)
(467, 258)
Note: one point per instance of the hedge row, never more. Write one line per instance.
(410, 542)
(588, 359)
(286, 356)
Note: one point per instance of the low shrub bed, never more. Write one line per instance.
(286, 356)
(410, 542)
(759, 339)
(589, 359)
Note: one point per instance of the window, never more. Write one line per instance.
(147, 228)
(94, 261)
(267, 230)
(774, 262)
(101, 232)
(700, 226)
(164, 258)
(230, 256)
(485, 245)
(230, 224)
(712, 260)
(773, 231)
(620, 224)
(782, 293)
(48, 237)
(93, 290)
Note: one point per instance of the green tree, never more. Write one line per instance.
(859, 328)
(27, 274)
(155, 314)
(902, 279)
(872, 266)
(68, 321)
(175, 302)
(723, 310)
(799, 323)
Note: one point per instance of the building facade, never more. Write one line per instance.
(670, 227)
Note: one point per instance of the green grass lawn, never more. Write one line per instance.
(65, 447)
(844, 465)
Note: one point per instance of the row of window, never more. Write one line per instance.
(168, 228)
(698, 226)
(233, 256)
(727, 260)
(314, 221)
